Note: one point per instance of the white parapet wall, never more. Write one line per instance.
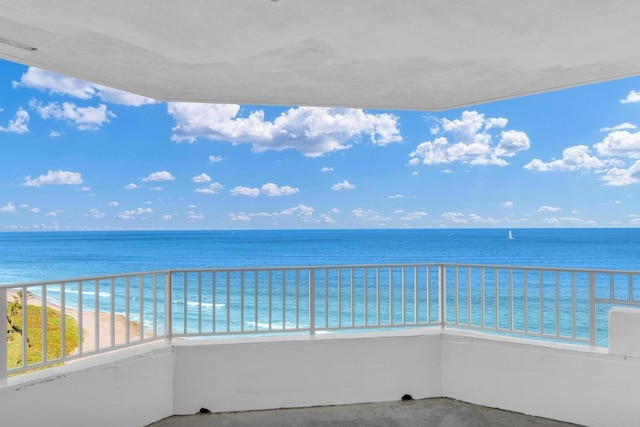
(127, 388)
(138, 386)
(566, 383)
(624, 331)
(289, 372)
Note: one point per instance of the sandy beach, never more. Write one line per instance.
(93, 333)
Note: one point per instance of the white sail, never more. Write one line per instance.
(510, 236)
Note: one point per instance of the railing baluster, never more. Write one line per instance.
(540, 273)
(3, 337)
(297, 298)
(573, 304)
(80, 318)
(270, 308)
(482, 297)
(185, 301)
(366, 296)
(242, 301)
(557, 303)
(312, 302)
(353, 309)
(456, 277)
(378, 302)
(415, 295)
(199, 302)
(390, 295)
(127, 324)
(592, 310)
(525, 300)
(442, 295)
(229, 302)
(469, 296)
(255, 296)
(96, 314)
(511, 299)
(112, 311)
(44, 323)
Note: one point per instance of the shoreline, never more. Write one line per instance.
(90, 331)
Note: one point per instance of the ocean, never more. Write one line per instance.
(41, 256)
(36, 256)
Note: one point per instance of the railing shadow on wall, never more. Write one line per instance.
(52, 322)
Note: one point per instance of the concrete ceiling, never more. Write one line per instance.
(387, 54)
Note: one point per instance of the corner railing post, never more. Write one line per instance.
(442, 295)
(168, 315)
(592, 310)
(3, 335)
(312, 302)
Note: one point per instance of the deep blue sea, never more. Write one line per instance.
(35, 256)
(42, 256)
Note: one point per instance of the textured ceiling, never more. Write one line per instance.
(387, 54)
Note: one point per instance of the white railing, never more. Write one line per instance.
(112, 312)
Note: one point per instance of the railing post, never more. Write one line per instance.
(3, 335)
(168, 315)
(442, 295)
(312, 302)
(592, 310)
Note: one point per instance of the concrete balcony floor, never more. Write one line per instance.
(436, 412)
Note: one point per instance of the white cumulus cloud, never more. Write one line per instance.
(53, 83)
(95, 214)
(245, 191)
(270, 189)
(113, 204)
(131, 186)
(326, 169)
(548, 209)
(454, 217)
(632, 96)
(159, 176)
(621, 126)
(9, 207)
(507, 205)
(213, 188)
(311, 130)
(620, 144)
(215, 159)
(58, 177)
(203, 177)
(19, 124)
(133, 213)
(239, 217)
(573, 158)
(83, 118)
(413, 216)
(467, 140)
(344, 185)
(620, 176)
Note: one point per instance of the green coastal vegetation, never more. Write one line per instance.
(16, 335)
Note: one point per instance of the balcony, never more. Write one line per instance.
(556, 343)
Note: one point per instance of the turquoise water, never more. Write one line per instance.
(26, 257)
(33, 256)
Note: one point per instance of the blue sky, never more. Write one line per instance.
(80, 156)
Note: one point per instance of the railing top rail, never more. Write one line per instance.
(80, 279)
(315, 267)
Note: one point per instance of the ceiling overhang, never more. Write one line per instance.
(376, 54)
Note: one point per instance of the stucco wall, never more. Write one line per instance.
(138, 386)
(568, 384)
(132, 388)
(325, 370)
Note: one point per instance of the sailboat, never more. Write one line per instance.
(510, 236)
